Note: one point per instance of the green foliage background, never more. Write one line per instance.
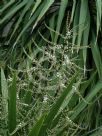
(51, 67)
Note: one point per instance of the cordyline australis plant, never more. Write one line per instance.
(57, 86)
(42, 76)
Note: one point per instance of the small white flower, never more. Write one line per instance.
(59, 75)
(59, 46)
(34, 68)
(64, 64)
(17, 96)
(45, 98)
(53, 57)
(68, 34)
(10, 79)
(62, 85)
(20, 124)
(74, 88)
(67, 61)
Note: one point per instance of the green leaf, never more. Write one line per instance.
(63, 7)
(12, 106)
(76, 21)
(85, 40)
(38, 15)
(13, 11)
(73, 10)
(52, 26)
(96, 55)
(54, 110)
(29, 3)
(35, 6)
(36, 128)
(97, 133)
(99, 14)
(81, 106)
(82, 19)
(4, 90)
(7, 6)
